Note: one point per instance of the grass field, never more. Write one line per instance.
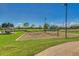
(7, 38)
(30, 30)
(74, 32)
(10, 47)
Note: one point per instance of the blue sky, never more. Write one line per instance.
(19, 13)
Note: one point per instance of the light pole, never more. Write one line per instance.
(45, 19)
(45, 24)
(65, 19)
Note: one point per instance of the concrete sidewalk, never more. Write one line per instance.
(66, 49)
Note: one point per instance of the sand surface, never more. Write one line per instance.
(43, 35)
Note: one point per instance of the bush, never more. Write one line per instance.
(7, 32)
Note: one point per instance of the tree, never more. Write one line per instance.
(53, 28)
(46, 27)
(32, 26)
(26, 25)
(40, 27)
(7, 27)
(74, 26)
(0, 26)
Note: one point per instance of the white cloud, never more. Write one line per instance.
(73, 23)
(58, 24)
(51, 23)
(19, 24)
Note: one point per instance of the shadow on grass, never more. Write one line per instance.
(5, 33)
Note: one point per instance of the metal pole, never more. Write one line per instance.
(45, 19)
(45, 23)
(57, 31)
(65, 20)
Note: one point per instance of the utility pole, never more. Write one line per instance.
(65, 19)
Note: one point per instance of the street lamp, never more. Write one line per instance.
(65, 19)
(45, 19)
(45, 24)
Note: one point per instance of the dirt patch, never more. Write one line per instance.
(70, 30)
(43, 35)
(66, 49)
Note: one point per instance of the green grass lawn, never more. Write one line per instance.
(10, 47)
(5, 38)
(34, 30)
(74, 32)
(30, 30)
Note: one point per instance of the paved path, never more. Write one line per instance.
(66, 49)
